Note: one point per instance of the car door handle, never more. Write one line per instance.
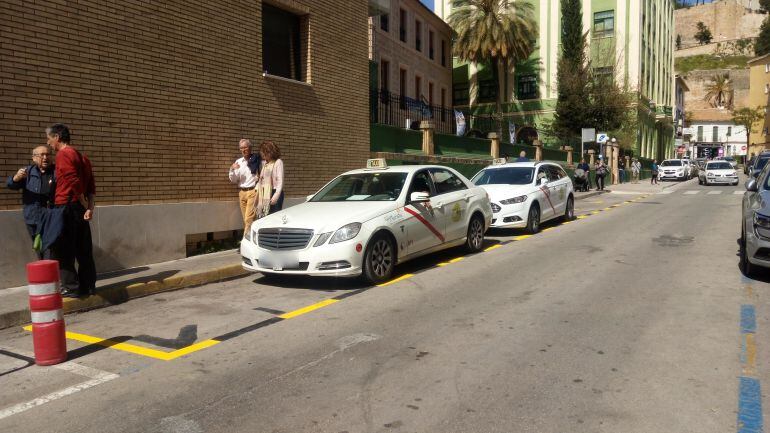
(438, 205)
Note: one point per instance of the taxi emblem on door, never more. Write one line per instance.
(456, 212)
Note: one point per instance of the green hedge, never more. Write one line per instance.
(384, 138)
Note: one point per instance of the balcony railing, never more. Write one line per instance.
(390, 109)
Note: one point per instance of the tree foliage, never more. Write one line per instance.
(494, 32)
(703, 35)
(762, 44)
(764, 5)
(719, 91)
(749, 118)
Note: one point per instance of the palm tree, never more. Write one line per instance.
(719, 91)
(500, 32)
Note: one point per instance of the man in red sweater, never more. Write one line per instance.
(75, 198)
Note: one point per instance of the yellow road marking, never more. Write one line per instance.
(308, 309)
(751, 356)
(401, 278)
(442, 264)
(749, 292)
(456, 259)
(521, 237)
(582, 217)
(608, 208)
(547, 229)
(493, 247)
(566, 222)
(136, 350)
(595, 212)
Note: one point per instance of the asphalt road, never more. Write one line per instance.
(628, 320)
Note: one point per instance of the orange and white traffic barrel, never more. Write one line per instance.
(45, 304)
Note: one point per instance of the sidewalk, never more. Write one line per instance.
(644, 187)
(120, 286)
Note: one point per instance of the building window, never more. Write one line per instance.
(527, 87)
(700, 133)
(767, 88)
(430, 45)
(604, 23)
(767, 67)
(715, 134)
(417, 35)
(430, 93)
(443, 52)
(729, 131)
(402, 25)
(417, 87)
(461, 94)
(402, 83)
(385, 22)
(281, 43)
(385, 75)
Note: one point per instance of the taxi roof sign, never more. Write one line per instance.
(376, 164)
(499, 161)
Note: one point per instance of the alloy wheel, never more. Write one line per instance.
(476, 234)
(381, 258)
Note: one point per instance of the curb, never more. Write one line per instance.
(117, 293)
(591, 194)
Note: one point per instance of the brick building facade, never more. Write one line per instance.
(158, 94)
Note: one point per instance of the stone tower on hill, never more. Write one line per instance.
(728, 20)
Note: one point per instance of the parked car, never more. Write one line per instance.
(758, 164)
(755, 224)
(365, 222)
(729, 159)
(673, 169)
(524, 194)
(718, 172)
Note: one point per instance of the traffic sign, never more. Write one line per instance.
(588, 134)
(602, 137)
(743, 147)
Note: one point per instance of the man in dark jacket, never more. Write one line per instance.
(37, 184)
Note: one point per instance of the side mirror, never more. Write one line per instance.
(419, 197)
(751, 185)
(542, 181)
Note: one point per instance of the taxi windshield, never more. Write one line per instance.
(719, 166)
(504, 176)
(363, 187)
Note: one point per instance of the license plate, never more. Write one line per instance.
(279, 261)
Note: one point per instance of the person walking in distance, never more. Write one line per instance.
(270, 185)
(636, 168)
(245, 172)
(654, 178)
(601, 172)
(37, 184)
(621, 170)
(522, 157)
(74, 198)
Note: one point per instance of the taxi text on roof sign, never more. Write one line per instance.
(499, 161)
(376, 164)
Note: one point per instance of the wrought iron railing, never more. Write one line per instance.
(390, 109)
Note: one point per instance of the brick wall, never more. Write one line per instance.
(157, 94)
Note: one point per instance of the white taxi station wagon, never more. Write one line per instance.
(365, 222)
(524, 194)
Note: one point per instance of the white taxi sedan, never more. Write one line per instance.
(717, 172)
(524, 194)
(366, 221)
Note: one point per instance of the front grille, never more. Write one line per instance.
(283, 238)
(495, 207)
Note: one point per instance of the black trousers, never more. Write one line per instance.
(74, 244)
(600, 181)
(278, 204)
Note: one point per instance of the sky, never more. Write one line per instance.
(428, 3)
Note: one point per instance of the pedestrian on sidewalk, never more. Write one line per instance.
(601, 172)
(37, 184)
(654, 178)
(74, 200)
(270, 184)
(636, 168)
(522, 157)
(245, 172)
(621, 170)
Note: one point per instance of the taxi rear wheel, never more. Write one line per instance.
(379, 260)
(475, 238)
(533, 220)
(569, 212)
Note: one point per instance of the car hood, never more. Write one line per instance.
(325, 216)
(721, 171)
(499, 192)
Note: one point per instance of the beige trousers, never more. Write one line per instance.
(246, 200)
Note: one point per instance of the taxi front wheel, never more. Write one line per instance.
(379, 259)
(475, 238)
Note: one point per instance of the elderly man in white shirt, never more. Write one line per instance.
(245, 173)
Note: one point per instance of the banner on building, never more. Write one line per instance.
(460, 120)
(512, 131)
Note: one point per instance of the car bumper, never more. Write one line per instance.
(333, 260)
(511, 216)
(673, 176)
(722, 179)
(757, 249)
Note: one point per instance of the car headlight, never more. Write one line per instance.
(346, 232)
(247, 235)
(322, 239)
(761, 221)
(710, 175)
(735, 173)
(519, 199)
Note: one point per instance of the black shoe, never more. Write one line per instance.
(70, 293)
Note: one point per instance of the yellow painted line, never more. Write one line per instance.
(750, 367)
(136, 350)
(582, 217)
(456, 259)
(493, 247)
(608, 208)
(749, 292)
(521, 237)
(566, 222)
(595, 212)
(547, 229)
(307, 309)
(401, 278)
(442, 264)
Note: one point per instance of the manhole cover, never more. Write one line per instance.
(673, 241)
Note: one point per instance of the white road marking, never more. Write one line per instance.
(96, 376)
(714, 192)
(691, 192)
(665, 192)
(625, 192)
(737, 192)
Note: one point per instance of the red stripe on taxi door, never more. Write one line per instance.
(425, 222)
